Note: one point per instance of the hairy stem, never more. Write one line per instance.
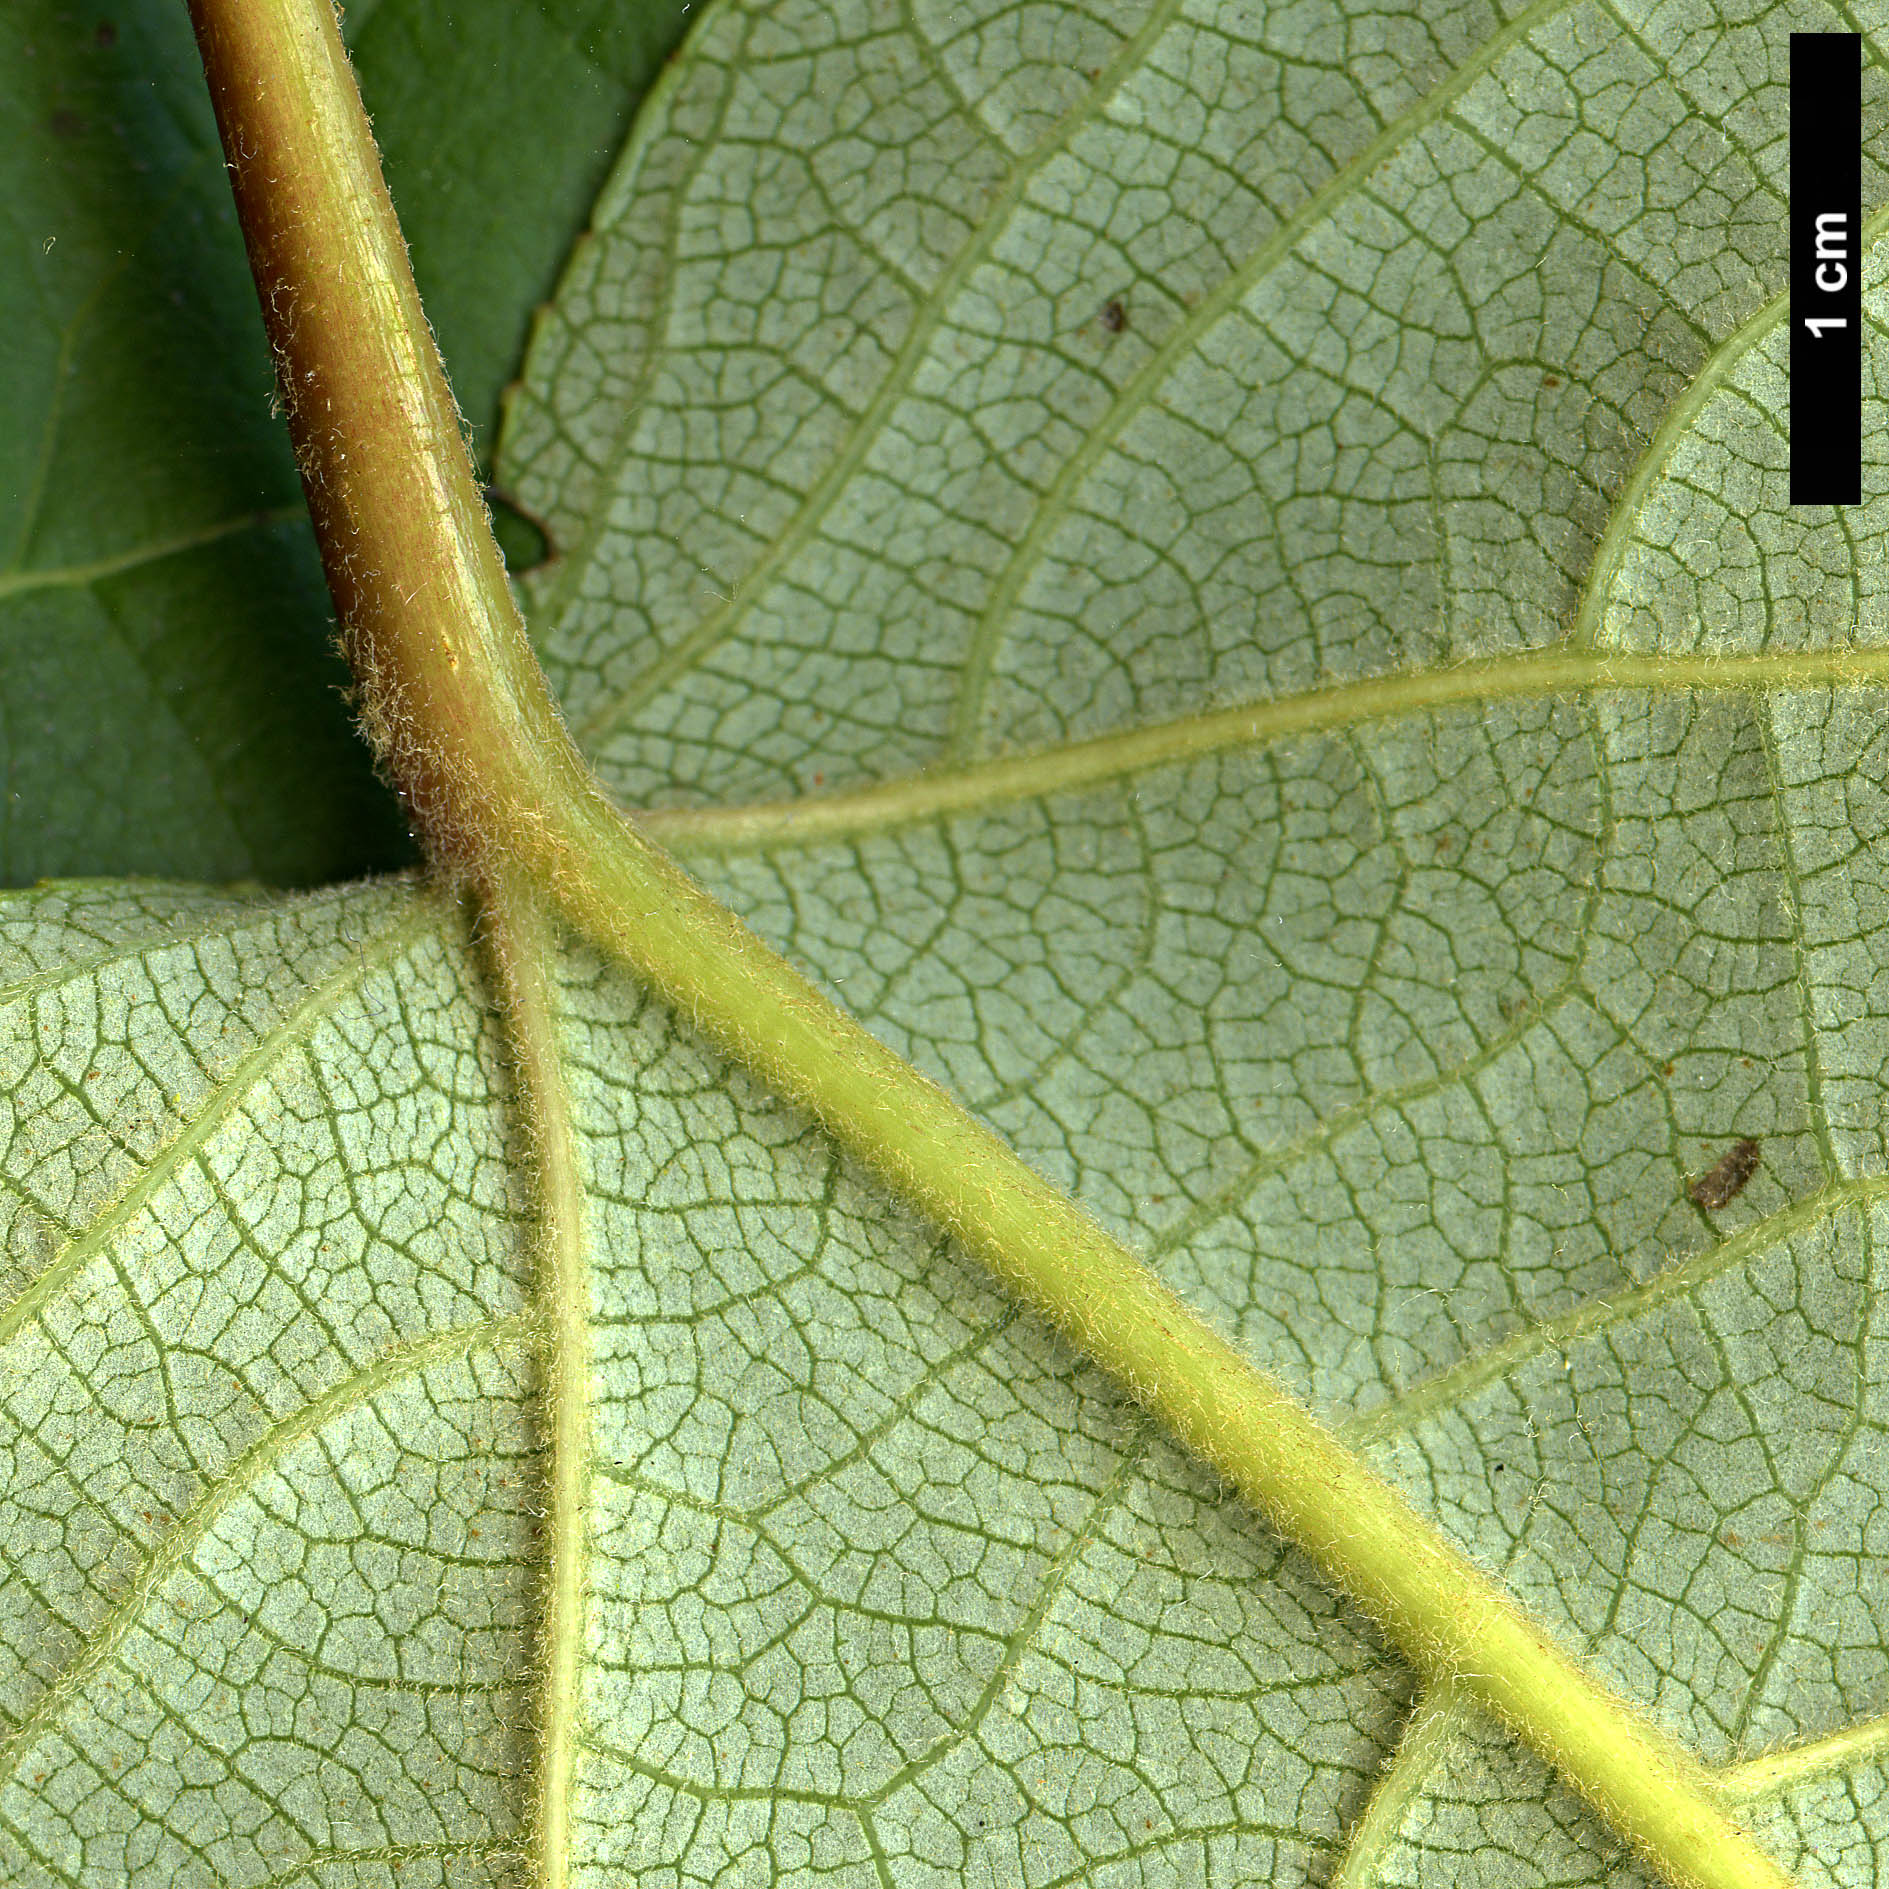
(447, 684)
(453, 697)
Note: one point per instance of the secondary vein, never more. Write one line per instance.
(1438, 1716)
(262, 1456)
(1455, 1384)
(1077, 765)
(15, 582)
(1760, 1780)
(524, 951)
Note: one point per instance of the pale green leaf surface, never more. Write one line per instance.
(866, 1547)
(1447, 335)
(1393, 1039)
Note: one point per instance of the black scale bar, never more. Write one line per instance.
(1826, 269)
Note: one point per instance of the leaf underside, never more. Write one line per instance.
(938, 386)
(172, 703)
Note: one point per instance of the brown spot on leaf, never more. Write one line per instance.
(106, 34)
(1725, 1179)
(66, 124)
(1114, 317)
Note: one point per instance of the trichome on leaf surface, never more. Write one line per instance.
(1222, 580)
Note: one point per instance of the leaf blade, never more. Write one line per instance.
(1412, 1138)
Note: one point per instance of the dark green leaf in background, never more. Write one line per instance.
(169, 702)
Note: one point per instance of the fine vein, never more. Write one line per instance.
(289, 1034)
(896, 386)
(1141, 389)
(263, 1455)
(1624, 517)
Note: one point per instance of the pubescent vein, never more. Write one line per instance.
(1072, 767)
